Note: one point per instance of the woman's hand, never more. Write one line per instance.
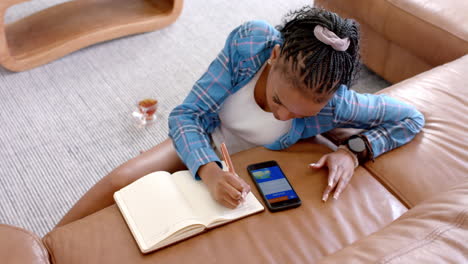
(340, 170)
(227, 188)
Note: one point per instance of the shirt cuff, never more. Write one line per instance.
(377, 142)
(200, 157)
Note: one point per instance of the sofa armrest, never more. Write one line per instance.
(401, 38)
(435, 231)
(18, 246)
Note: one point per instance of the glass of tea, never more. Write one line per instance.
(145, 111)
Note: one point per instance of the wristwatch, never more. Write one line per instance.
(358, 145)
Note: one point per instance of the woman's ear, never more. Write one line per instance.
(275, 53)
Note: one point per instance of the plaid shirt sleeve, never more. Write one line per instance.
(389, 123)
(189, 123)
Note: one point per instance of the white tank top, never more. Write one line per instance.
(244, 124)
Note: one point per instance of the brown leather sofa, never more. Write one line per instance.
(401, 38)
(409, 206)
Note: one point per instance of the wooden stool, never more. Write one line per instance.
(59, 30)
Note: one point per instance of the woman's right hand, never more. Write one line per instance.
(227, 188)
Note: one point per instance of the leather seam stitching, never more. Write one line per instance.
(430, 238)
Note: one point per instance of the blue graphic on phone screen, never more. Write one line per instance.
(273, 184)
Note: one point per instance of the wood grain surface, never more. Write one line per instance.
(59, 30)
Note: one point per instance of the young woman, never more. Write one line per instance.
(271, 87)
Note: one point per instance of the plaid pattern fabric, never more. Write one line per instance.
(389, 123)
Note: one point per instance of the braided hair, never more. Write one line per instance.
(321, 68)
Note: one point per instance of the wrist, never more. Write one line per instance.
(207, 171)
(351, 154)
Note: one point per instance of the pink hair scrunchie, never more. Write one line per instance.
(326, 36)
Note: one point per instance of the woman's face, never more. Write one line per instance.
(284, 99)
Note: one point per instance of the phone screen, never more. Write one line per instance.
(273, 184)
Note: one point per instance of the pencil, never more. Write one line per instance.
(227, 158)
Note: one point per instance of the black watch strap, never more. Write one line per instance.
(359, 144)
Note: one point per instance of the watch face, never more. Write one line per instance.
(357, 144)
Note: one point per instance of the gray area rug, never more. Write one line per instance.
(66, 124)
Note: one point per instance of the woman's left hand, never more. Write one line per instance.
(340, 170)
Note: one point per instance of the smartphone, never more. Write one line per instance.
(273, 185)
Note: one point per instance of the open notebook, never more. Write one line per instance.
(162, 208)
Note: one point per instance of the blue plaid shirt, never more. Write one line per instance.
(389, 123)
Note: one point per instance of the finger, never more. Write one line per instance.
(229, 202)
(319, 163)
(226, 204)
(326, 193)
(235, 181)
(232, 192)
(333, 177)
(245, 189)
(239, 184)
(342, 185)
(330, 184)
(245, 186)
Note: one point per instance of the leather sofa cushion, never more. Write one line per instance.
(448, 15)
(391, 61)
(301, 235)
(435, 31)
(436, 158)
(18, 246)
(402, 38)
(435, 231)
